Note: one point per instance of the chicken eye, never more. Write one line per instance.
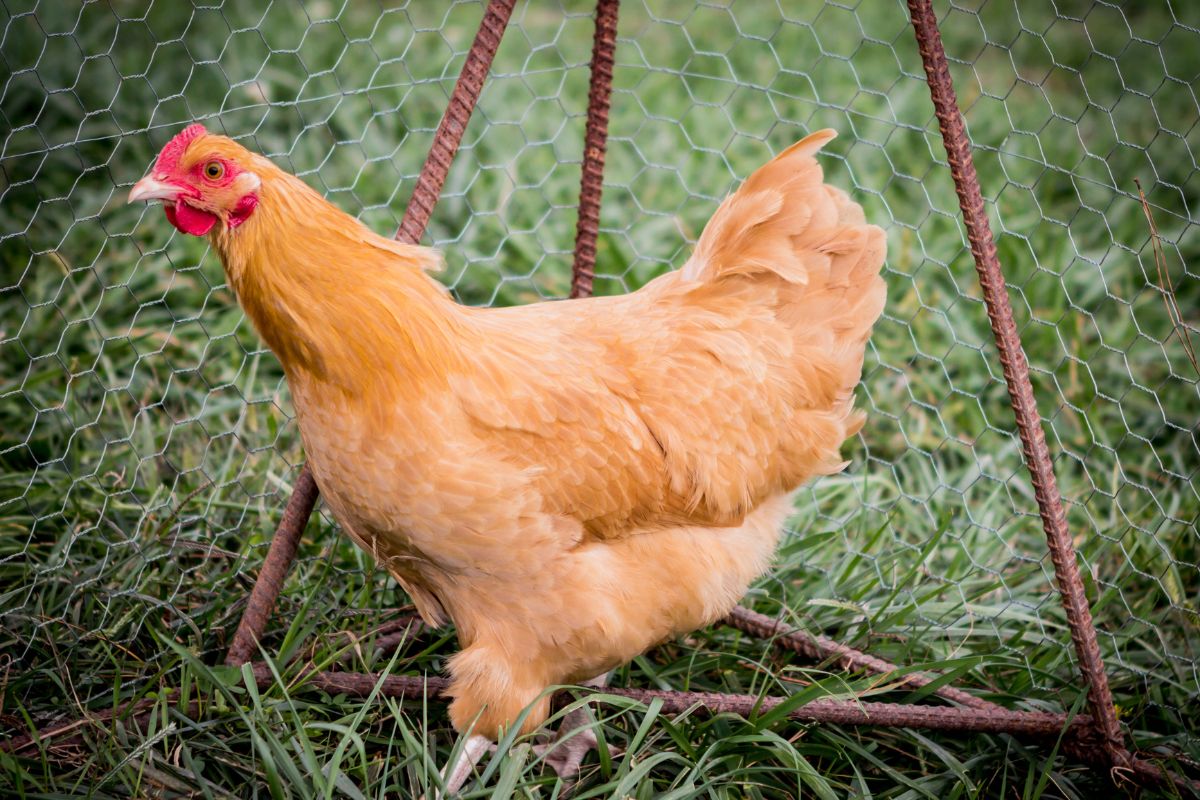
(213, 170)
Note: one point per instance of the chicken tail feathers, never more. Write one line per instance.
(785, 222)
(809, 249)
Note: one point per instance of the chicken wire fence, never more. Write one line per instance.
(147, 439)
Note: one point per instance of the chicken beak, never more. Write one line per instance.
(149, 188)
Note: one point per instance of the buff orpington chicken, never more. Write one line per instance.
(569, 482)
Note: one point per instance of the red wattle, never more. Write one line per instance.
(190, 220)
(242, 211)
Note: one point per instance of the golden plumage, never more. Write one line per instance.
(570, 482)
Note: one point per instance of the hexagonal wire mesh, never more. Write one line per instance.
(147, 438)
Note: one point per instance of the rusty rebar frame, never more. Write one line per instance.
(822, 648)
(1016, 374)
(595, 143)
(839, 712)
(1039, 725)
(1020, 392)
(1095, 739)
(280, 555)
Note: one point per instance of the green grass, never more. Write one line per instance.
(147, 441)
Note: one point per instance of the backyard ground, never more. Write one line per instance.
(147, 442)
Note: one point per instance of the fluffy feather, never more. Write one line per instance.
(569, 482)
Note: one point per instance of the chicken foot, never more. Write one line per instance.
(457, 770)
(564, 754)
(573, 740)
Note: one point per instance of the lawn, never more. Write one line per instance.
(147, 440)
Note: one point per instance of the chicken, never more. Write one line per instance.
(569, 482)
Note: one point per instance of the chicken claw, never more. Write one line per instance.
(574, 739)
(457, 770)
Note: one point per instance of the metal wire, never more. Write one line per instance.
(1016, 377)
(595, 142)
(145, 436)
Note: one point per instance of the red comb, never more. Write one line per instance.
(168, 159)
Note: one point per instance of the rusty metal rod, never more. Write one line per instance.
(409, 687)
(815, 648)
(1016, 375)
(390, 636)
(822, 648)
(1078, 733)
(595, 142)
(136, 713)
(428, 189)
(280, 555)
(840, 712)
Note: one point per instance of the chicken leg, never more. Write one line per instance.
(457, 770)
(574, 738)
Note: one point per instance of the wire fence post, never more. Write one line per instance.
(591, 180)
(1016, 375)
